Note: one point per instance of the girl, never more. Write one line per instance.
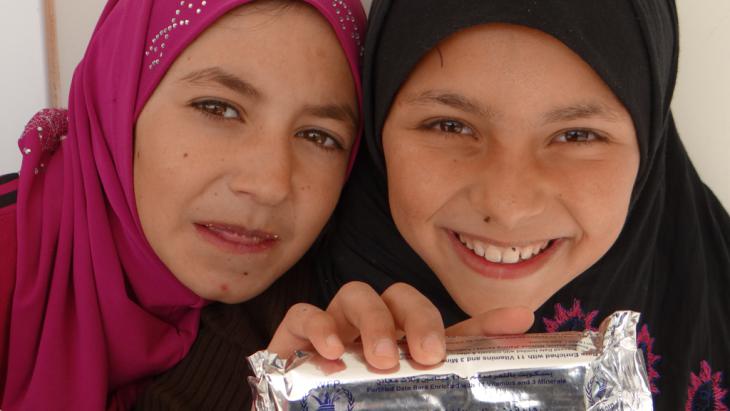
(523, 153)
(204, 148)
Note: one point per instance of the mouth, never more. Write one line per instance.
(511, 254)
(237, 239)
(503, 260)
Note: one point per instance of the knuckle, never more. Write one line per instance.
(399, 288)
(299, 308)
(354, 287)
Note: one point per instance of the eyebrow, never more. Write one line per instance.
(580, 111)
(225, 79)
(453, 100)
(338, 112)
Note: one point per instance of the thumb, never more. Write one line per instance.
(500, 321)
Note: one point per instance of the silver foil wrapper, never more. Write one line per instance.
(591, 370)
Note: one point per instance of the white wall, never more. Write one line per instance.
(23, 81)
(702, 99)
(701, 104)
(75, 20)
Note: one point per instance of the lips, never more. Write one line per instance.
(510, 254)
(236, 239)
(503, 260)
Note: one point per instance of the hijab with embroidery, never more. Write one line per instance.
(672, 259)
(94, 309)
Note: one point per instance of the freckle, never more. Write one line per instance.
(245, 273)
(487, 219)
(185, 155)
(138, 154)
(215, 194)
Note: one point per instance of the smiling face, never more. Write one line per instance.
(242, 150)
(510, 165)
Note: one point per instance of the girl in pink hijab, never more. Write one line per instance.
(203, 150)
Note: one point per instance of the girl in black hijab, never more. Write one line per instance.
(532, 159)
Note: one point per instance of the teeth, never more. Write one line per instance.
(526, 253)
(466, 242)
(479, 249)
(494, 254)
(510, 255)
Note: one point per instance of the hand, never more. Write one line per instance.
(358, 311)
(500, 321)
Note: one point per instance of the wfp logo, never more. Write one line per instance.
(328, 398)
(596, 390)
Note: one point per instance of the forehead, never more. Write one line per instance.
(502, 60)
(269, 38)
(271, 19)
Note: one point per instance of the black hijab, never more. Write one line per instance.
(672, 259)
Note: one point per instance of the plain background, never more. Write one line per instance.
(701, 103)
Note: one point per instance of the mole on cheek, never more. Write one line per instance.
(245, 273)
(185, 155)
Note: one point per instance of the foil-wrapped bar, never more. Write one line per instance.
(591, 370)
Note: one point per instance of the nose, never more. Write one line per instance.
(509, 189)
(263, 170)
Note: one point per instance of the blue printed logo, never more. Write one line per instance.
(332, 397)
(595, 390)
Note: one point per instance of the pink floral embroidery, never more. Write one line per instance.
(705, 391)
(646, 343)
(570, 320)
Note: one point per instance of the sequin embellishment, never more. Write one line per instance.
(181, 19)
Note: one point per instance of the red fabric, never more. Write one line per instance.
(8, 247)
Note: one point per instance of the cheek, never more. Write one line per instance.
(405, 196)
(168, 171)
(418, 186)
(316, 198)
(598, 198)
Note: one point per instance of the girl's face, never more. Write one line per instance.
(510, 165)
(242, 150)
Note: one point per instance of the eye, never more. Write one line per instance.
(579, 136)
(217, 108)
(450, 126)
(321, 138)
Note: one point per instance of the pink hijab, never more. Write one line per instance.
(94, 310)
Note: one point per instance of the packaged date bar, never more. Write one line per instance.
(591, 370)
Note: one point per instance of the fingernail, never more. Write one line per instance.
(385, 348)
(333, 341)
(433, 344)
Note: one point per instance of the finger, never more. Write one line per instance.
(359, 310)
(500, 321)
(306, 326)
(421, 321)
